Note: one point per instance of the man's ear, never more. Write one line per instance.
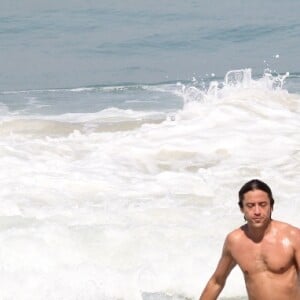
(271, 212)
(242, 209)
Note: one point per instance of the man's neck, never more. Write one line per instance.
(257, 234)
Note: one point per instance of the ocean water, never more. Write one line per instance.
(126, 131)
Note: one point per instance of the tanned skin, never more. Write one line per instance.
(267, 251)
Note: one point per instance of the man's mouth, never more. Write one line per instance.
(257, 219)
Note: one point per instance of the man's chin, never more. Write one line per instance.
(258, 223)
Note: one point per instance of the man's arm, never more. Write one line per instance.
(296, 243)
(217, 281)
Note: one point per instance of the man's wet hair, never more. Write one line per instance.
(255, 184)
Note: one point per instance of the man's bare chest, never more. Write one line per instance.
(275, 257)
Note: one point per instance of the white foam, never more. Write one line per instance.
(119, 214)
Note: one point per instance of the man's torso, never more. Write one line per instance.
(268, 265)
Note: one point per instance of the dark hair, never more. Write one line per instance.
(255, 184)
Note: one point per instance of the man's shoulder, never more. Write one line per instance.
(288, 230)
(235, 235)
(285, 226)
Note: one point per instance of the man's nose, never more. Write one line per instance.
(257, 209)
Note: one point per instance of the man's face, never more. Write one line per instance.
(256, 208)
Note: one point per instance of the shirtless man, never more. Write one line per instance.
(267, 251)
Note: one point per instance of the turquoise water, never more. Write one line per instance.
(59, 44)
(126, 130)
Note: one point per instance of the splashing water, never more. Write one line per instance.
(135, 204)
